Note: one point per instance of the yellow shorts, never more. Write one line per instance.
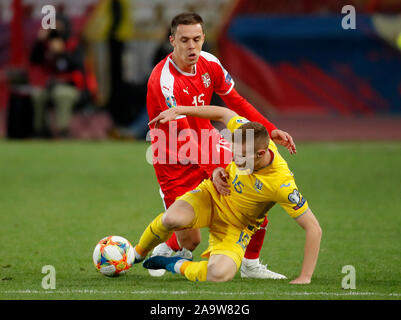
(224, 238)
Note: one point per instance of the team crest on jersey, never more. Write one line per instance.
(258, 185)
(206, 79)
(170, 101)
(296, 199)
(228, 78)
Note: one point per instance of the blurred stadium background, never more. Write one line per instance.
(291, 59)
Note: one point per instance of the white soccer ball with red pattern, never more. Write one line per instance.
(113, 255)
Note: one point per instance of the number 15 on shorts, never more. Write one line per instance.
(243, 240)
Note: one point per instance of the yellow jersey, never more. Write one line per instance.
(252, 195)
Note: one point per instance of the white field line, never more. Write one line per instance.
(186, 292)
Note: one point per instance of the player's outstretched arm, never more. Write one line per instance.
(312, 245)
(221, 114)
(215, 113)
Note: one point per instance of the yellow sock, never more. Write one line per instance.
(194, 271)
(153, 235)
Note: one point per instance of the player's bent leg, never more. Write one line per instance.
(221, 268)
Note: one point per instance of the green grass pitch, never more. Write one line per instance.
(57, 200)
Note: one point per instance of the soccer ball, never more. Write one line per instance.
(113, 255)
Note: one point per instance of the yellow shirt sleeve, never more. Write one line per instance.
(236, 122)
(290, 199)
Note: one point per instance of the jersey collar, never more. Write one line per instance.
(179, 70)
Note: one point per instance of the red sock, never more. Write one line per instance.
(173, 243)
(255, 245)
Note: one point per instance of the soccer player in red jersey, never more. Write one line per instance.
(189, 76)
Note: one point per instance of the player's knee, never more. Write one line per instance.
(220, 273)
(173, 220)
(170, 222)
(179, 215)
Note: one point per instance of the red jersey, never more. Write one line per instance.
(187, 150)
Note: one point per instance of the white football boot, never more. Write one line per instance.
(253, 268)
(161, 250)
(184, 253)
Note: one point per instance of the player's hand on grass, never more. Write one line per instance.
(165, 116)
(285, 139)
(219, 178)
(301, 280)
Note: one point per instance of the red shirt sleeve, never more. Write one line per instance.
(222, 81)
(239, 104)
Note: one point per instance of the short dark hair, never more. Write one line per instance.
(260, 134)
(186, 18)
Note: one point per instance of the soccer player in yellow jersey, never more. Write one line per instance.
(258, 178)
